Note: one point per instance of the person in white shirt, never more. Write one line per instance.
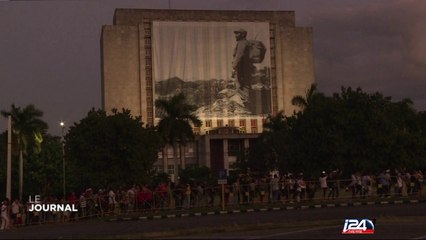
(5, 215)
(323, 184)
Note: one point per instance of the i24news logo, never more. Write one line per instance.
(358, 226)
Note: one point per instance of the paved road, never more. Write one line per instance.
(407, 229)
(321, 223)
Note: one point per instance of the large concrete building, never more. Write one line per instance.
(153, 54)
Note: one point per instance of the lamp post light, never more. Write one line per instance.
(63, 159)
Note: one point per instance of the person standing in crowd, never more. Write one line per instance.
(211, 191)
(15, 212)
(111, 201)
(418, 182)
(5, 220)
(333, 183)
(131, 193)
(387, 183)
(366, 185)
(289, 184)
(188, 192)
(73, 200)
(275, 188)
(337, 177)
(200, 195)
(323, 184)
(301, 187)
(399, 183)
(237, 190)
(82, 204)
(355, 184)
(261, 188)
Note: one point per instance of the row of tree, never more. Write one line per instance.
(351, 130)
(101, 150)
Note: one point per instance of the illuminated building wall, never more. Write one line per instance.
(152, 54)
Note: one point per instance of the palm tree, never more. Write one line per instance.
(28, 129)
(175, 125)
(305, 101)
(274, 123)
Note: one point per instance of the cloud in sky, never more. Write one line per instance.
(50, 50)
(375, 45)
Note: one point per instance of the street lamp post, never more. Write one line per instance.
(63, 159)
(9, 159)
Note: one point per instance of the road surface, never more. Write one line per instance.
(407, 221)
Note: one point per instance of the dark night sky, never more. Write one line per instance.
(50, 50)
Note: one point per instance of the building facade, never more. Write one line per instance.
(154, 54)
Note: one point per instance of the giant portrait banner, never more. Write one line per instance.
(221, 67)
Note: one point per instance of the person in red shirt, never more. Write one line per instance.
(72, 199)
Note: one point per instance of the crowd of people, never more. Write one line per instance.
(245, 189)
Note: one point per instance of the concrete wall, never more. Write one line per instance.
(120, 66)
(137, 16)
(297, 65)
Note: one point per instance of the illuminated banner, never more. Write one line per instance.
(221, 67)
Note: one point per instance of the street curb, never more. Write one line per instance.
(265, 209)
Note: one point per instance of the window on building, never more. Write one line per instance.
(149, 113)
(253, 129)
(170, 169)
(158, 168)
(231, 122)
(220, 123)
(253, 123)
(242, 122)
(169, 151)
(208, 123)
(196, 130)
(189, 151)
(191, 165)
(190, 148)
(234, 147)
